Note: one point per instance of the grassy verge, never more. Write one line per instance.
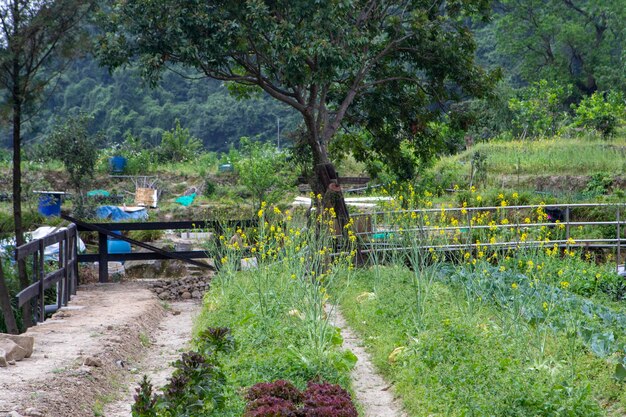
(471, 358)
(270, 345)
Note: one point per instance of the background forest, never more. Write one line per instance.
(553, 55)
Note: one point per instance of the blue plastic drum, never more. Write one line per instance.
(118, 164)
(49, 205)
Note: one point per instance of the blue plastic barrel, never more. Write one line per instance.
(118, 164)
(117, 246)
(49, 205)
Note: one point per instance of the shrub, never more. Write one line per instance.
(178, 145)
(602, 112)
(259, 171)
(598, 184)
(539, 110)
(209, 188)
(146, 235)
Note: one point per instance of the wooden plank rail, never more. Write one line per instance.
(106, 230)
(342, 180)
(65, 276)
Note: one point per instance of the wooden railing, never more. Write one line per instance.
(106, 230)
(65, 276)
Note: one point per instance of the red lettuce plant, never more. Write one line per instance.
(327, 400)
(282, 399)
(271, 407)
(279, 389)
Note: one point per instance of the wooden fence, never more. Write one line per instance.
(65, 276)
(106, 230)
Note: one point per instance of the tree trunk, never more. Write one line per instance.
(328, 181)
(324, 172)
(17, 183)
(5, 305)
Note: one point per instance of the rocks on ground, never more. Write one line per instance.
(182, 289)
(15, 348)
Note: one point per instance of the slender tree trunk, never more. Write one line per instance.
(5, 305)
(17, 182)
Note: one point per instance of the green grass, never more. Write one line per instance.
(269, 346)
(470, 359)
(545, 157)
(551, 156)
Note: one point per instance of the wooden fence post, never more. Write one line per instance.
(61, 285)
(35, 279)
(103, 262)
(67, 242)
(75, 278)
(41, 273)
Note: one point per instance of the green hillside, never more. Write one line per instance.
(121, 102)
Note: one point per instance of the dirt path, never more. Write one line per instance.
(84, 355)
(172, 336)
(371, 390)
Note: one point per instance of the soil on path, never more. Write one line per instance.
(374, 394)
(166, 345)
(89, 351)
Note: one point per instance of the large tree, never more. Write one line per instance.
(578, 42)
(36, 37)
(319, 57)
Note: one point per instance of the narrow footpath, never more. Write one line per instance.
(374, 394)
(166, 345)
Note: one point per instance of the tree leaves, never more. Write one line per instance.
(319, 59)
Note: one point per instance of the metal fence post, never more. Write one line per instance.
(567, 232)
(619, 241)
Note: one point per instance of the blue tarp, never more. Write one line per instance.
(98, 193)
(186, 200)
(118, 214)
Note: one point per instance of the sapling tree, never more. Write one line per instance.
(259, 170)
(178, 145)
(72, 144)
(602, 112)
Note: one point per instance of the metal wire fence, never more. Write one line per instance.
(586, 226)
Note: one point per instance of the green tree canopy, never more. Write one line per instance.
(71, 143)
(321, 58)
(578, 42)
